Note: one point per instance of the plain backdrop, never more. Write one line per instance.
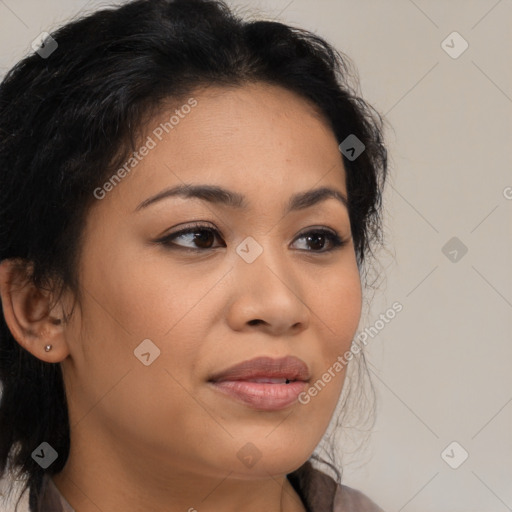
(441, 367)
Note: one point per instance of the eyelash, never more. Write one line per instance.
(336, 241)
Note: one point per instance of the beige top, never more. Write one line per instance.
(318, 491)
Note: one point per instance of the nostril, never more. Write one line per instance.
(255, 322)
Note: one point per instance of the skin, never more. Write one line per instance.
(158, 437)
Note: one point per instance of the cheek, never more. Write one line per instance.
(143, 296)
(339, 307)
(339, 310)
(147, 403)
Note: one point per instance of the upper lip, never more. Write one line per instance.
(289, 367)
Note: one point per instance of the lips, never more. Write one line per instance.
(264, 383)
(263, 369)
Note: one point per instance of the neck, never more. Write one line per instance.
(113, 487)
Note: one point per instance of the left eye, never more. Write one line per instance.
(205, 236)
(318, 237)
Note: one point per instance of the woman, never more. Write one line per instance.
(187, 203)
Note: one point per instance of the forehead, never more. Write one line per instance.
(256, 138)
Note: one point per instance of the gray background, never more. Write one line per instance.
(442, 366)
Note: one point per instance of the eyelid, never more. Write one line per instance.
(337, 241)
(190, 226)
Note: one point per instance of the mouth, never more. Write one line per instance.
(264, 383)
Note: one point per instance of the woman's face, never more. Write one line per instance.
(160, 318)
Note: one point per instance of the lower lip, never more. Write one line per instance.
(262, 396)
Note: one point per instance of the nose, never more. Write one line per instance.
(269, 295)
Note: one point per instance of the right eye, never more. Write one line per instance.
(197, 234)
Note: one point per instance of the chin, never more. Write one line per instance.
(253, 463)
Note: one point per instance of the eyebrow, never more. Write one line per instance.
(219, 195)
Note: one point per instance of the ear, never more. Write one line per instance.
(27, 313)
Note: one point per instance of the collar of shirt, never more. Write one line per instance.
(317, 490)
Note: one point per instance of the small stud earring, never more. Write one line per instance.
(48, 348)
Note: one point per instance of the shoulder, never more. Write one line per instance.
(11, 490)
(320, 493)
(348, 499)
(49, 498)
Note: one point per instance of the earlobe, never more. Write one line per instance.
(26, 310)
